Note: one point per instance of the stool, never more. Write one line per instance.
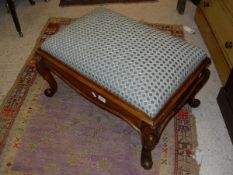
(141, 75)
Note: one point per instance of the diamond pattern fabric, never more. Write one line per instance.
(139, 64)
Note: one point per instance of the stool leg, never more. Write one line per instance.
(150, 138)
(46, 74)
(204, 76)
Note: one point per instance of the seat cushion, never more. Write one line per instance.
(139, 64)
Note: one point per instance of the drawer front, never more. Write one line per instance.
(221, 21)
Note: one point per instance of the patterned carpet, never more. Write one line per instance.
(67, 134)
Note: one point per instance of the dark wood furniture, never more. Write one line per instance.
(225, 102)
(150, 129)
(11, 6)
(181, 6)
(12, 10)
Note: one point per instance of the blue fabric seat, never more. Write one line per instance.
(139, 64)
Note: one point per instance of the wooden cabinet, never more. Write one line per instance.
(215, 21)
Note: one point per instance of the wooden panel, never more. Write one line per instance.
(216, 52)
(227, 7)
(221, 23)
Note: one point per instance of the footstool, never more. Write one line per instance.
(141, 75)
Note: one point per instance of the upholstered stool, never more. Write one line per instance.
(142, 75)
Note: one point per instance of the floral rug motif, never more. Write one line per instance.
(66, 134)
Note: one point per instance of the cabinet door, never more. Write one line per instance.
(221, 21)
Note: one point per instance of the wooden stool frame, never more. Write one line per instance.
(150, 129)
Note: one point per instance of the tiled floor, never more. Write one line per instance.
(215, 151)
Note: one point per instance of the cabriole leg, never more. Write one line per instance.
(46, 74)
(150, 138)
(204, 76)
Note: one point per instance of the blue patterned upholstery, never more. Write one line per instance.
(139, 64)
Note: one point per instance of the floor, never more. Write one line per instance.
(215, 151)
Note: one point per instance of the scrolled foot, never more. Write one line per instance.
(46, 74)
(146, 159)
(150, 137)
(49, 92)
(194, 103)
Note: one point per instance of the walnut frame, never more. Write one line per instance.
(149, 129)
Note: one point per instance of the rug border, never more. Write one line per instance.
(25, 65)
(196, 166)
(17, 80)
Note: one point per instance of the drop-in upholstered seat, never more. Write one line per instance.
(136, 65)
(141, 65)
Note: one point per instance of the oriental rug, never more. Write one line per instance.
(89, 2)
(68, 135)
